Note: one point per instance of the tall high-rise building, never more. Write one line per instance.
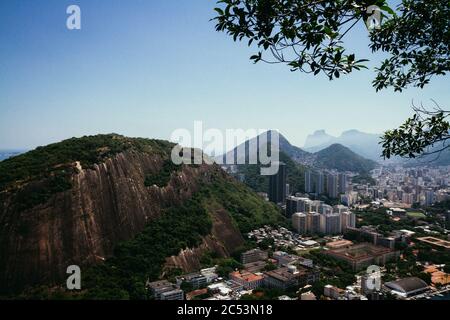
(332, 186)
(429, 198)
(348, 220)
(345, 199)
(340, 208)
(299, 222)
(330, 223)
(342, 183)
(296, 204)
(326, 223)
(299, 204)
(408, 198)
(308, 181)
(277, 185)
(313, 223)
(325, 209)
(314, 206)
(320, 183)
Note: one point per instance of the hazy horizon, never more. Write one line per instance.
(168, 138)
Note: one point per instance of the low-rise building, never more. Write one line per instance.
(333, 292)
(165, 290)
(256, 266)
(196, 293)
(247, 279)
(339, 244)
(175, 294)
(363, 255)
(197, 280)
(284, 259)
(210, 274)
(407, 287)
(308, 296)
(291, 276)
(225, 288)
(309, 243)
(253, 255)
(436, 242)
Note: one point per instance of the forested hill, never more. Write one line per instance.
(342, 158)
(118, 207)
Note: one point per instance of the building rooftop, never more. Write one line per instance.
(253, 251)
(254, 266)
(436, 242)
(196, 293)
(159, 284)
(407, 285)
(284, 274)
(339, 243)
(360, 251)
(246, 276)
(309, 243)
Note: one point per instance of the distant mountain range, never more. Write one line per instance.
(5, 154)
(367, 145)
(333, 157)
(437, 159)
(364, 144)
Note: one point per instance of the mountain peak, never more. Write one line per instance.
(340, 157)
(364, 144)
(351, 132)
(321, 132)
(336, 146)
(318, 138)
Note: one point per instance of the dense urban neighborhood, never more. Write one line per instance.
(387, 238)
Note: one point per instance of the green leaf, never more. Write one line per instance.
(219, 11)
(388, 10)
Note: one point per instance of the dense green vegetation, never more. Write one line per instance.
(407, 266)
(36, 175)
(142, 258)
(224, 265)
(432, 255)
(134, 261)
(440, 207)
(38, 192)
(246, 208)
(162, 177)
(342, 158)
(383, 221)
(333, 271)
(416, 215)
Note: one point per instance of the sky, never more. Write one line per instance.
(148, 67)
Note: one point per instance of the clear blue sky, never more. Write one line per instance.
(148, 67)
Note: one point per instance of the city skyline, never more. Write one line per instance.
(132, 71)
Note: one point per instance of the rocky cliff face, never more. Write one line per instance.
(106, 204)
(224, 238)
